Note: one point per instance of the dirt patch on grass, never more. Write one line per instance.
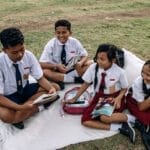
(82, 18)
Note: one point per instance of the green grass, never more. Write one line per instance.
(124, 23)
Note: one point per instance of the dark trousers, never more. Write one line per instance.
(28, 91)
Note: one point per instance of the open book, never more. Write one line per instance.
(44, 98)
(105, 109)
(71, 63)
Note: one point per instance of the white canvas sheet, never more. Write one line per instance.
(49, 130)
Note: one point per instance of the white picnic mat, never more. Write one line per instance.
(49, 130)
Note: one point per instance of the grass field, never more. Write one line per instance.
(125, 23)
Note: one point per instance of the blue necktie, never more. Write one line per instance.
(18, 79)
(63, 55)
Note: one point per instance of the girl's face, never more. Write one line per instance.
(103, 60)
(146, 73)
(62, 33)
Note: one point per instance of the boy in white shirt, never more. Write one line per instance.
(16, 94)
(59, 51)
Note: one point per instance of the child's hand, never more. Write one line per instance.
(52, 90)
(70, 101)
(101, 99)
(78, 64)
(62, 68)
(117, 103)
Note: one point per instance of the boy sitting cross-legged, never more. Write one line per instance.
(16, 94)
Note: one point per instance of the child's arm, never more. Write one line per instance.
(45, 65)
(45, 84)
(117, 100)
(82, 61)
(55, 67)
(7, 103)
(84, 86)
(145, 105)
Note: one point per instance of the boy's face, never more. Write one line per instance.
(103, 60)
(146, 74)
(62, 33)
(15, 53)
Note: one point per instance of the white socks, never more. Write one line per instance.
(68, 79)
(131, 118)
(73, 73)
(115, 126)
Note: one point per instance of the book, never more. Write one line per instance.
(105, 109)
(44, 98)
(72, 62)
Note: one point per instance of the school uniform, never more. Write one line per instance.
(137, 96)
(27, 66)
(52, 50)
(115, 80)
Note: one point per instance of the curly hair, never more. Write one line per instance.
(64, 23)
(11, 37)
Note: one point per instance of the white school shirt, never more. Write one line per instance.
(137, 89)
(29, 65)
(52, 50)
(115, 78)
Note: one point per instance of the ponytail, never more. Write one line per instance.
(95, 79)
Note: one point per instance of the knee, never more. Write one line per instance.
(105, 119)
(8, 117)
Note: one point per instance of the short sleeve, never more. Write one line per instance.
(47, 54)
(81, 49)
(36, 70)
(88, 75)
(138, 93)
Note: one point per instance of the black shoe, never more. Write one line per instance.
(61, 84)
(46, 105)
(78, 80)
(138, 125)
(146, 139)
(19, 125)
(127, 130)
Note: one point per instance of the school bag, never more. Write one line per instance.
(79, 106)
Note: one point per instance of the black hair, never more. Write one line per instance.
(64, 23)
(145, 89)
(11, 37)
(110, 50)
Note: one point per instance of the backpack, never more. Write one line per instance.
(79, 106)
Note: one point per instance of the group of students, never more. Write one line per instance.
(104, 74)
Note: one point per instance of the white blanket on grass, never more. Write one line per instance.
(49, 130)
